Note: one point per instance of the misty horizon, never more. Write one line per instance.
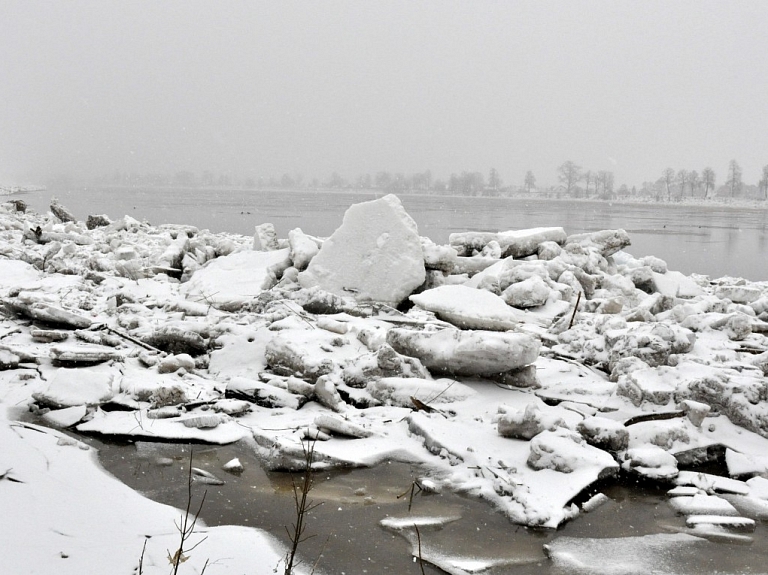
(265, 89)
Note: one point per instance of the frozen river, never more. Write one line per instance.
(715, 240)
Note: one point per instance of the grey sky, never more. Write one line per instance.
(262, 88)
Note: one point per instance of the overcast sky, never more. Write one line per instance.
(263, 88)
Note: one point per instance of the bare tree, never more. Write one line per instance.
(668, 176)
(587, 178)
(682, 179)
(734, 177)
(494, 180)
(708, 180)
(569, 174)
(695, 181)
(604, 179)
(530, 180)
(764, 182)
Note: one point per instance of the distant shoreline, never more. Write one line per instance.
(723, 203)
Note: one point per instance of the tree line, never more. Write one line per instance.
(573, 181)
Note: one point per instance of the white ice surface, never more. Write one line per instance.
(63, 514)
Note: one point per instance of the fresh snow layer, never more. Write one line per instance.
(64, 514)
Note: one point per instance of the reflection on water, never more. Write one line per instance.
(349, 538)
(713, 240)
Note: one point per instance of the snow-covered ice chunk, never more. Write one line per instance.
(604, 433)
(70, 387)
(138, 424)
(66, 417)
(651, 461)
(233, 466)
(399, 391)
(712, 483)
(739, 293)
(565, 451)
(375, 255)
(594, 502)
(303, 248)
(466, 352)
(527, 423)
(239, 276)
(341, 426)
(420, 521)
(701, 504)
(758, 487)
(265, 238)
(736, 524)
(531, 292)
(606, 242)
(470, 308)
(676, 284)
(513, 243)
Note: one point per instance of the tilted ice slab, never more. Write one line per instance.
(375, 255)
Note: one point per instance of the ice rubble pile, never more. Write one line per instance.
(522, 366)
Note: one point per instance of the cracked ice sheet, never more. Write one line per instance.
(477, 460)
(83, 520)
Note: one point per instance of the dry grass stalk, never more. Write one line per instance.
(303, 505)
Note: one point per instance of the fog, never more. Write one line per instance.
(263, 88)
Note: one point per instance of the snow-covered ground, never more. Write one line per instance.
(518, 367)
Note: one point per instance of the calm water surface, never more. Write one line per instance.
(715, 240)
(348, 537)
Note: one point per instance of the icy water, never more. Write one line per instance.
(348, 538)
(715, 240)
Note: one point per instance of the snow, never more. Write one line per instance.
(239, 345)
(82, 520)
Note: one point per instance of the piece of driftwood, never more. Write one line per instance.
(653, 417)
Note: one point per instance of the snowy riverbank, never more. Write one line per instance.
(521, 368)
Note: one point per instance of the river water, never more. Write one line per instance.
(715, 240)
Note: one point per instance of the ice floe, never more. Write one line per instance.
(520, 367)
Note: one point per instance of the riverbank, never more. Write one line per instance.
(519, 368)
